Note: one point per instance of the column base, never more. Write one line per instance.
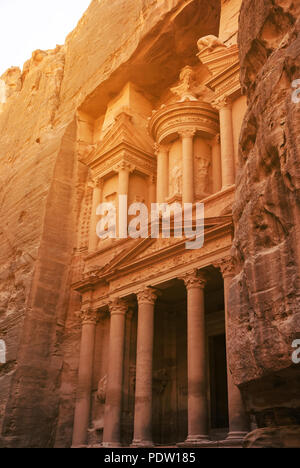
(227, 186)
(111, 445)
(233, 440)
(79, 446)
(196, 441)
(141, 444)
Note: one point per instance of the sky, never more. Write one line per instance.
(28, 25)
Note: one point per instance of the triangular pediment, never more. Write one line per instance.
(145, 249)
(124, 133)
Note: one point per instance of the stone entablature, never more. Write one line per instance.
(170, 121)
(153, 261)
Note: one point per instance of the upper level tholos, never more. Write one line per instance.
(180, 146)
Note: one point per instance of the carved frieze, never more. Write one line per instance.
(177, 118)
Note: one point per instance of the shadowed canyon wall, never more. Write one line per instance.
(265, 295)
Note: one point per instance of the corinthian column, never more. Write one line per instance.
(84, 388)
(144, 360)
(216, 164)
(97, 199)
(238, 421)
(197, 360)
(162, 188)
(113, 405)
(187, 138)
(227, 146)
(124, 169)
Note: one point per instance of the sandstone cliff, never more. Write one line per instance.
(265, 295)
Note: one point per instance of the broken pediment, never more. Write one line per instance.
(122, 135)
(215, 55)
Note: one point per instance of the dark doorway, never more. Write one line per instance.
(218, 382)
(170, 367)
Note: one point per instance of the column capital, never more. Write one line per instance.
(88, 316)
(98, 182)
(227, 267)
(222, 102)
(187, 133)
(118, 307)
(124, 166)
(147, 296)
(194, 279)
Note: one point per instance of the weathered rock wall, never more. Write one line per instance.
(265, 295)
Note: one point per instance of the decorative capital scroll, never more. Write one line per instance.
(188, 133)
(227, 267)
(88, 316)
(118, 307)
(98, 182)
(193, 279)
(124, 166)
(222, 102)
(147, 296)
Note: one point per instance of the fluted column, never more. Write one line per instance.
(97, 199)
(197, 360)
(238, 420)
(113, 404)
(162, 188)
(216, 164)
(84, 388)
(144, 363)
(227, 145)
(187, 138)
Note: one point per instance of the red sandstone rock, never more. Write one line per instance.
(264, 296)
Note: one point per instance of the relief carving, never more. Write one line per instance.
(176, 180)
(160, 380)
(101, 391)
(209, 43)
(202, 169)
